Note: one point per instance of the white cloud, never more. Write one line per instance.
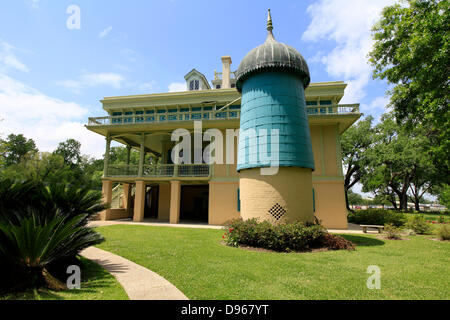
(8, 59)
(348, 23)
(47, 120)
(87, 80)
(177, 87)
(105, 32)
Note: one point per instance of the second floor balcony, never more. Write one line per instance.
(160, 171)
(204, 114)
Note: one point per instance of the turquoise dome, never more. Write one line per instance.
(273, 55)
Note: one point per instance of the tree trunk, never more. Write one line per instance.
(346, 201)
(52, 282)
(404, 201)
(417, 203)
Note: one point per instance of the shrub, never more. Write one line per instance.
(41, 228)
(284, 237)
(392, 232)
(444, 232)
(419, 225)
(377, 217)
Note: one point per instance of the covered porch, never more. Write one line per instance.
(162, 200)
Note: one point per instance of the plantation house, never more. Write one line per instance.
(161, 190)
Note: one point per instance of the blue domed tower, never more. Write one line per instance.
(272, 79)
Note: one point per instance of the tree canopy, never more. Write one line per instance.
(354, 143)
(14, 148)
(411, 52)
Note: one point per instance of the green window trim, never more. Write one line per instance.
(239, 200)
(314, 200)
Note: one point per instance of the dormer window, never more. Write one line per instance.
(194, 85)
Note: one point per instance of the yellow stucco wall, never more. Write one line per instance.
(290, 189)
(330, 204)
(164, 201)
(328, 181)
(223, 202)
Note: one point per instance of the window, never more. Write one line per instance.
(218, 86)
(194, 85)
(233, 85)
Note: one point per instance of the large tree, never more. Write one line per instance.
(14, 148)
(355, 142)
(411, 52)
(398, 163)
(70, 150)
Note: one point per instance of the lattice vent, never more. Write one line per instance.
(277, 212)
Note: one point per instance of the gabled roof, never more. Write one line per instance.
(201, 75)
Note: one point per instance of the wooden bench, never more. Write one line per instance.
(364, 226)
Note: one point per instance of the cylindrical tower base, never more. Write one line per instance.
(284, 197)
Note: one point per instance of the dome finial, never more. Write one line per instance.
(269, 25)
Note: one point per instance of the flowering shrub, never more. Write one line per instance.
(285, 237)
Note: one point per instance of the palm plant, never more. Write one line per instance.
(34, 246)
(43, 225)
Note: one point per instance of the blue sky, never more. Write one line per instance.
(51, 77)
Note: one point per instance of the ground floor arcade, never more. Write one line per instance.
(173, 201)
(208, 201)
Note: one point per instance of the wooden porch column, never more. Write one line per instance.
(139, 201)
(175, 197)
(107, 198)
(128, 154)
(127, 197)
(106, 161)
(142, 156)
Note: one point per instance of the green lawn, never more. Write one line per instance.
(97, 284)
(430, 216)
(197, 263)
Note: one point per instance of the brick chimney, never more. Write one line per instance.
(226, 72)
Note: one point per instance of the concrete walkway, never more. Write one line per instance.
(138, 282)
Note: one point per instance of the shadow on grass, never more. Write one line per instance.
(93, 279)
(363, 241)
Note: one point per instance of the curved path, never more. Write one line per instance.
(139, 283)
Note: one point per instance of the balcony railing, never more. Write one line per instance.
(160, 171)
(343, 109)
(165, 117)
(340, 109)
